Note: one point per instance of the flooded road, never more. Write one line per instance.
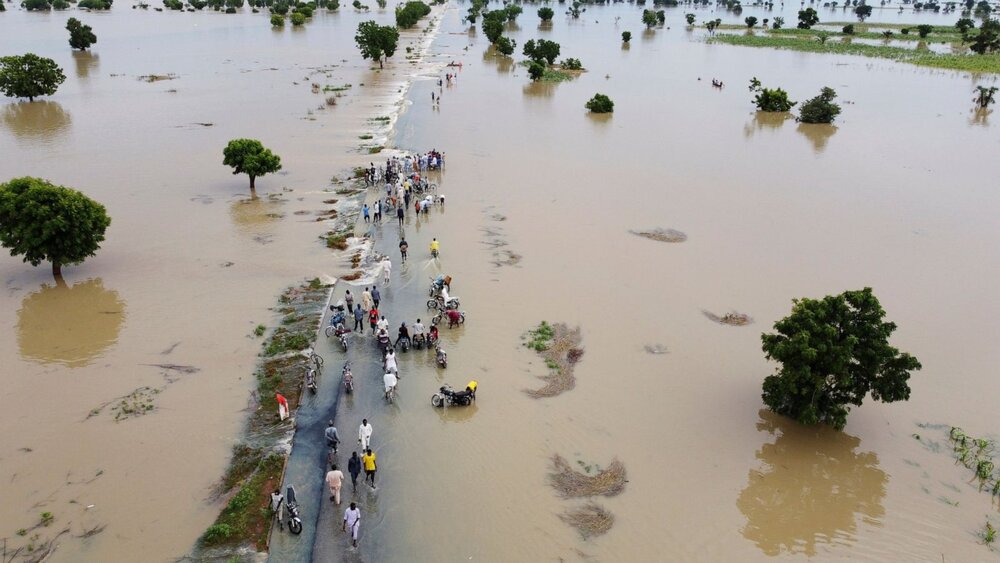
(896, 195)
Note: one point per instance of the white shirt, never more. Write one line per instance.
(418, 328)
(390, 381)
(364, 431)
(387, 264)
(390, 362)
(444, 294)
(382, 324)
(352, 517)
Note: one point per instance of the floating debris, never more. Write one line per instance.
(662, 235)
(158, 77)
(655, 349)
(590, 520)
(560, 347)
(606, 482)
(732, 318)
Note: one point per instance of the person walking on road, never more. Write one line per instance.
(373, 319)
(349, 300)
(365, 435)
(352, 520)
(359, 319)
(368, 460)
(399, 214)
(334, 479)
(332, 438)
(376, 296)
(366, 300)
(403, 247)
(386, 270)
(366, 213)
(354, 468)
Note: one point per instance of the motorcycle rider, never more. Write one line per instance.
(390, 362)
(418, 331)
(404, 334)
(435, 247)
(454, 317)
(433, 334)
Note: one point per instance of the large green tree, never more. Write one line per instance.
(834, 351)
(493, 23)
(250, 157)
(808, 18)
(541, 50)
(80, 36)
(48, 223)
(29, 76)
(376, 41)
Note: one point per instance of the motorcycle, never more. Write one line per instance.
(311, 380)
(434, 253)
(448, 396)
(438, 283)
(441, 356)
(348, 378)
(403, 344)
(436, 320)
(383, 344)
(340, 331)
(438, 303)
(292, 507)
(419, 340)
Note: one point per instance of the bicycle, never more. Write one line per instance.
(317, 361)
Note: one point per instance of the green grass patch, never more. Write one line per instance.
(862, 32)
(284, 341)
(343, 88)
(968, 63)
(259, 331)
(540, 338)
(364, 137)
(336, 241)
(247, 516)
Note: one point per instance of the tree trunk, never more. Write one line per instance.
(380, 63)
(57, 270)
(253, 188)
(31, 99)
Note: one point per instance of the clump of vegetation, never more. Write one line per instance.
(848, 29)
(250, 157)
(376, 41)
(626, 36)
(808, 18)
(984, 96)
(337, 241)
(545, 14)
(277, 20)
(570, 483)
(590, 520)
(297, 18)
(410, 13)
(832, 352)
(259, 331)
(662, 235)
(770, 100)
(284, 341)
(731, 318)
(541, 50)
(571, 64)
(247, 515)
(560, 347)
(535, 71)
(600, 104)
(820, 109)
(989, 534)
(506, 46)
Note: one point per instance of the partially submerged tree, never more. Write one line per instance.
(505, 46)
(820, 109)
(493, 25)
(770, 100)
(250, 157)
(29, 76)
(863, 12)
(600, 104)
(778, 22)
(541, 50)
(964, 25)
(535, 71)
(833, 352)
(47, 223)
(80, 36)
(923, 30)
(750, 21)
(988, 38)
(545, 13)
(984, 96)
(649, 18)
(689, 18)
(410, 13)
(376, 41)
(626, 36)
(807, 18)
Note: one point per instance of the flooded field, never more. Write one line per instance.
(897, 196)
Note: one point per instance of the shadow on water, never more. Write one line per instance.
(813, 487)
(256, 215)
(41, 120)
(86, 63)
(980, 117)
(539, 89)
(765, 121)
(818, 134)
(503, 63)
(70, 325)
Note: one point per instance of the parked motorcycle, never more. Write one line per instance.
(311, 380)
(292, 508)
(441, 356)
(348, 378)
(448, 396)
(436, 319)
(438, 303)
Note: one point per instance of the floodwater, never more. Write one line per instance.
(897, 195)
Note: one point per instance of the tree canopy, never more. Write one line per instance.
(80, 36)
(767, 99)
(29, 76)
(833, 352)
(600, 104)
(820, 109)
(250, 157)
(376, 41)
(545, 13)
(48, 223)
(808, 18)
(863, 11)
(541, 50)
(410, 13)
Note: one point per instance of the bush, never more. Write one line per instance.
(277, 20)
(173, 4)
(505, 46)
(409, 14)
(924, 30)
(546, 13)
(541, 50)
(298, 18)
(905, 31)
(600, 104)
(216, 533)
(820, 109)
(280, 8)
(848, 29)
(95, 4)
(60, 4)
(626, 36)
(536, 70)
(571, 64)
(771, 100)
(36, 5)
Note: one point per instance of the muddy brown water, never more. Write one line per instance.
(897, 196)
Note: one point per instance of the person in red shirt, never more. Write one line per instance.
(454, 317)
(373, 319)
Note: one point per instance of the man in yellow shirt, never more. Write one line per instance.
(368, 460)
(435, 248)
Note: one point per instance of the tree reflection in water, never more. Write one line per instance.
(812, 489)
